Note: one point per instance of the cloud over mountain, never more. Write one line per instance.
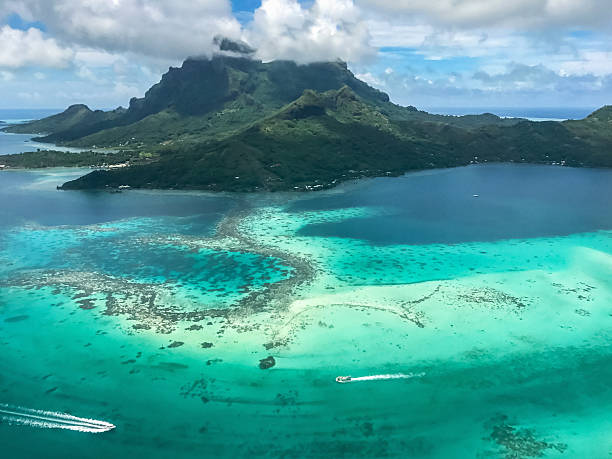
(436, 49)
(281, 29)
(330, 29)
(155, 28)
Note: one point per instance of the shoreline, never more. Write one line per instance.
(290, 190)
(314, 186)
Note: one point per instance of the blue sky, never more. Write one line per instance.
(447, 53)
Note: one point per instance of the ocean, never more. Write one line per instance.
(20, 115)
(471, 307)
(531, 113)
(20, 143)
(153, 310)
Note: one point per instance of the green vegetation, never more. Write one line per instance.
(75, 122)
(52, 158)
(237, 124)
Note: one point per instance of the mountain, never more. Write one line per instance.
(210, 99)
(78, 120)
(322, 139)
(234, 123)
(604, 114)
(205, 98)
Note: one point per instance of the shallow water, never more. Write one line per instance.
(152, 311)
(21, 143)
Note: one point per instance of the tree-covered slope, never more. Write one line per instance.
(78, 120)
(321, 139)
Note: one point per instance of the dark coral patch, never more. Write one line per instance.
(267, 363)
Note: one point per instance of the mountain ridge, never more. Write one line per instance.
(197, 93)
(237, 124)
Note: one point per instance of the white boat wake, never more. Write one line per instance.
(51, 420)
(347, 379)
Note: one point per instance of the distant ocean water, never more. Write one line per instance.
(536, 113)
(532, 113)
(20, 143)
(19, 115)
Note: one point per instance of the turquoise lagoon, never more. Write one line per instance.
(152, 311)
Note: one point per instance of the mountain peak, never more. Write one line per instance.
(603, 114)
(207, 85)
(77, 108)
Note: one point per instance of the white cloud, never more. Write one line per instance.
(96, 58)
(369, 78)
(519, 76)
(125, 91)
(487, 13)
(328, 30)
(86, 73)
(21, 48)
(515, 84)
(155, 28)
(453, 49)
(492, 48)
(173, 30)
(29, 96)
(6, 76)
(386, 32)
(593, 62)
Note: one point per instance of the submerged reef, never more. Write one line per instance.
(267, 363)
(519, 443)
(160, 306)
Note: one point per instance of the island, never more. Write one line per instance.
(52, 158)
(233, 123)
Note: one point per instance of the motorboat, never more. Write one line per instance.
(343, 379)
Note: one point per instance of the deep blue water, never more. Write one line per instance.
(37, 202)
(515, 201)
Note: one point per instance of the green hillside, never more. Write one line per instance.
(233, 123)
(322, 139)
(77, 120)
